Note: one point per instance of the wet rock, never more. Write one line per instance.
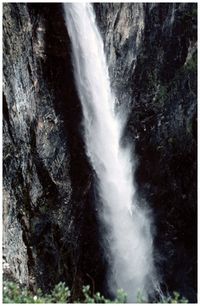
(155, 78)
(44, 190)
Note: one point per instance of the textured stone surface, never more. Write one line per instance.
(51, 231)
(152, 60)
(40, 138)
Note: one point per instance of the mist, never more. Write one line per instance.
(128, 239)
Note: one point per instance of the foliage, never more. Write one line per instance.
(98, 298)
(14, 293)
(174, 299)
(191, 65)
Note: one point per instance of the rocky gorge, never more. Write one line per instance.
(51, 229)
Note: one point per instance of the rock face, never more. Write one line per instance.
(46, 174)
(152, 55)
(51, 231)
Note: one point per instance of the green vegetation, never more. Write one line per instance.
(162, 95)
(174, 299)
(191, 65)
(14, 293)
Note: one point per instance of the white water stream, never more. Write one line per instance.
(129, 240)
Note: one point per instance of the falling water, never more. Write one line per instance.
(129, 239)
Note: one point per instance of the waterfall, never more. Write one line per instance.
(129, 239)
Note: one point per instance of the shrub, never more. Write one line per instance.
(14, 293)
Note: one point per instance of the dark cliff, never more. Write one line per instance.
(46, 175)
(50, 223)
(153, 70)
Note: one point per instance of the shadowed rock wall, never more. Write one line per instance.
(47, 207)
(152, 55)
